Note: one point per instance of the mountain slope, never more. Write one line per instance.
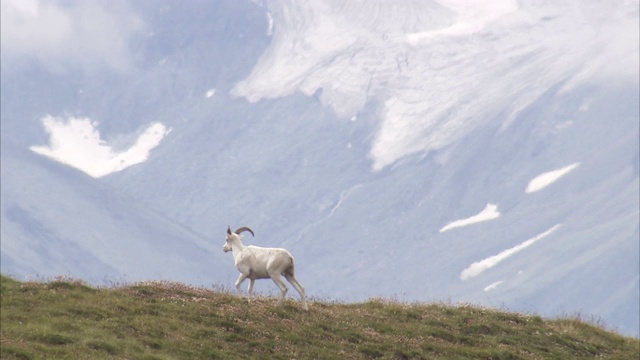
(57, 221)
(354, 151)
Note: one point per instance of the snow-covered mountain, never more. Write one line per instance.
(421, 150)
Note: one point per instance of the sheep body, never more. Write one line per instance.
(256, 262)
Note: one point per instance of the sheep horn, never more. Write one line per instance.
(244, 228)
(229, 230)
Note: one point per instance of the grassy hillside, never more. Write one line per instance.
(69, 320)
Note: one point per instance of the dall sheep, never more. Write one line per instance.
(255, 262)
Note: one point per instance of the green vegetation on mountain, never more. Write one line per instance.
(66, 319)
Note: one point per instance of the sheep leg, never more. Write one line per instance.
(283, 288)
(250, 290)
(294, 282)
(239, 282)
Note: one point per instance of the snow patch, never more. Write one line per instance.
(490, 212)
(478, 267)
(493, 286)
(545, 179)
(76, 142)
(210, 93)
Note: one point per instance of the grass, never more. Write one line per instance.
(66, 319)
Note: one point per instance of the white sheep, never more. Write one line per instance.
(255, 262)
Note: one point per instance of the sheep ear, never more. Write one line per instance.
(229, 230)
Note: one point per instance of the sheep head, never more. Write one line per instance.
(234, 236)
